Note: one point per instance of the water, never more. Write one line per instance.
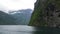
(24, 29)
(16, 29)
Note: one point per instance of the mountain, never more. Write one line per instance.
(46, 13)
(22, 16)
(6, 19)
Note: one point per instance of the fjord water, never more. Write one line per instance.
(16, 29)
(24, 29)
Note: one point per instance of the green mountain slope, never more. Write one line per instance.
(39, 14)
(6, 19)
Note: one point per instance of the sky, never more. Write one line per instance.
(6, 5)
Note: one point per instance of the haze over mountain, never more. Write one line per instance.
(22, 16)
(6, 19)
(19, 17)
(7, 5)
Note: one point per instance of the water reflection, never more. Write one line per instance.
(47, 30)
(23, 29)
(16, 29)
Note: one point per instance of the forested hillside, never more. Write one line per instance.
(22, 16)
(46, 13)
(6, 19)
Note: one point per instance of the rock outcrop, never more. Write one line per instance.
(46, 13)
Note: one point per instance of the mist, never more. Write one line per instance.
(7, 5)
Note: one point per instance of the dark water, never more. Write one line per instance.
(23, 29)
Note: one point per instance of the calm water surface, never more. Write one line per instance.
(16, 29)
(24, 29)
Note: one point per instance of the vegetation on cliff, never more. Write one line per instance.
(37, 18)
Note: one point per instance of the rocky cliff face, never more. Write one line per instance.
(46, 13)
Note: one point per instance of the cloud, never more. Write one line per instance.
(16, 4)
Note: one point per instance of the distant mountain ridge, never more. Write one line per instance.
(21, 11)
(19, 17)
(22, 16)
(6, 19)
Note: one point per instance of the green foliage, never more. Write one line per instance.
(37, 15)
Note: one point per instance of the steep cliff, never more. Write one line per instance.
(45, 13)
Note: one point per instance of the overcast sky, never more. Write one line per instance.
(16, 4)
